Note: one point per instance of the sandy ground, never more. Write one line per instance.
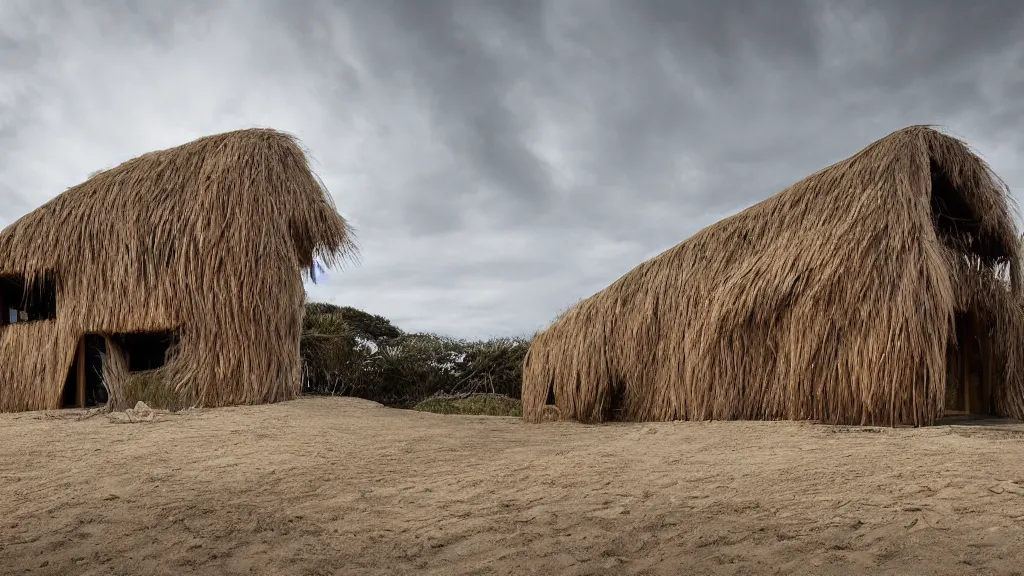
(340, 486)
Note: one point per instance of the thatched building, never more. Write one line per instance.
(880, 290)
(174, 278)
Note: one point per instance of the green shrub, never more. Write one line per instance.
(473, 404)
(349, 352)
(329, 352)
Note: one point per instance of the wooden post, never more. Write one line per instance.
(965, 384)
(80, 374)
(986, 375)
(965, 372)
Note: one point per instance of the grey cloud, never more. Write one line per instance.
(502, 159)
(465, 89)
(783, 32)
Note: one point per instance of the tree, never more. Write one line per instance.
(362, 324)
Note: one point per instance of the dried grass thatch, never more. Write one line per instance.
(833, 300)
(209, 240)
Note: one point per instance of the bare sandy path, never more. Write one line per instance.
(341, 486)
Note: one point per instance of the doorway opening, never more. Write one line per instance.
(969, 382)
(615, 407)
(84, 386)
(145, 350)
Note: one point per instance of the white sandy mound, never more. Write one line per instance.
(141, 413)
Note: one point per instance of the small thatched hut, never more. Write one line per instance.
(880, 290)
(174, 278)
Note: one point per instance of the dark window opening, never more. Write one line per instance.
(87, 366)
(145, 350)
(21, 301)
(551, 395)
(955, 220)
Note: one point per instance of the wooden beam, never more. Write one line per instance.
(80, 374)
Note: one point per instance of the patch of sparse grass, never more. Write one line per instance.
(152, 388)
(473, 405)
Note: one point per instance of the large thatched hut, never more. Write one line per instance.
(175, 278)
(880, 290)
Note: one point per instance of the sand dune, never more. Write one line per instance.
(340, 486)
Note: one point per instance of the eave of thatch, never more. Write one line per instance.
(832, 300)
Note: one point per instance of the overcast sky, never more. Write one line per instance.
(503, 159)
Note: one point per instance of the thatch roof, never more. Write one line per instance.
(832, 300)
(208, 239)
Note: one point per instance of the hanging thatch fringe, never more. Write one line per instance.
(833, 300)
(208, 239)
